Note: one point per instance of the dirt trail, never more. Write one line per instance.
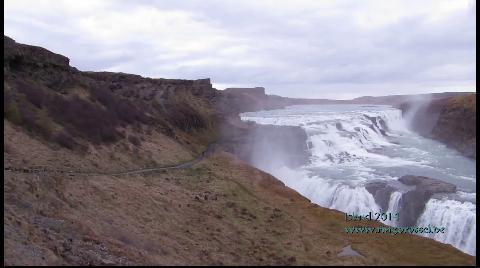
(208, 151)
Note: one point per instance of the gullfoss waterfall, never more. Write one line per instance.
(351, 146)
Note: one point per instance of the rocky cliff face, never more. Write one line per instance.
(456, 125)
(258, 92)
(451, 120)
(18, 55)
(73, 109)
(239, 100)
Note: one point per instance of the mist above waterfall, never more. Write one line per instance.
(421, 112)
(417, 104)
(275, 146)
(352, 145)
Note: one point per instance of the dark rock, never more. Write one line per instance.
(378, 124)
(381, 192)
(15, 54)
(456, 125)
(383, 124)
(411, 206)
(450, 119)
(233, 101)
(428, 184)
(372, 119)
(413, 202)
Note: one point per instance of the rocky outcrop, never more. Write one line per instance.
(456, 125)
(450, 120)
(153, 89)
(412, 203)
(16, 55)
(427, 184)
(53, 100)
(381, 192)
(378, 124)
(258, 92)
(238, 100)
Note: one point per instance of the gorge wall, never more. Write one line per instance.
(450, 120)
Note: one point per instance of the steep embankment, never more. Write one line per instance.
(107, 120)
(219, 211)
(456, 125)
(450, 120)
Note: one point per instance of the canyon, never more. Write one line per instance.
(218, 211)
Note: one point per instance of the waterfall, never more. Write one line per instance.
(459, 219)
(393, 207)
(351, 145)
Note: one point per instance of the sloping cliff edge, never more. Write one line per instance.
(450, 120)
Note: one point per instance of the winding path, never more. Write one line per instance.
(209, 151)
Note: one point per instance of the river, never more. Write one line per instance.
(351, 145)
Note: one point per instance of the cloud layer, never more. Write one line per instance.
(311, 48)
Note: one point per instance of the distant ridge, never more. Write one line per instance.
(259, 100)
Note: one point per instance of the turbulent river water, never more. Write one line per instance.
(351, 145)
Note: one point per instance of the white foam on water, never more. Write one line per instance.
(467, 178)
(459, 219)
(348, 149)
(328, 193)
(467, 196)
(394, 207)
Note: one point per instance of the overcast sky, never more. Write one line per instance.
(314, 49)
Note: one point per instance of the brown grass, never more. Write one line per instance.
(219, 212)
(468, 102)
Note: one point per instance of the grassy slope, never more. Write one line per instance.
(464, 101)
(219, 212)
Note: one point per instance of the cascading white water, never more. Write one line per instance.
(394, 206)
(459, 218)
(351, 145)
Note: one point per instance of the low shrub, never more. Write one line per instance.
(96, 121)
(87, 119)
(185, 117)
(34, 95)
(65, 140)
(10, 109)
(134, 140)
